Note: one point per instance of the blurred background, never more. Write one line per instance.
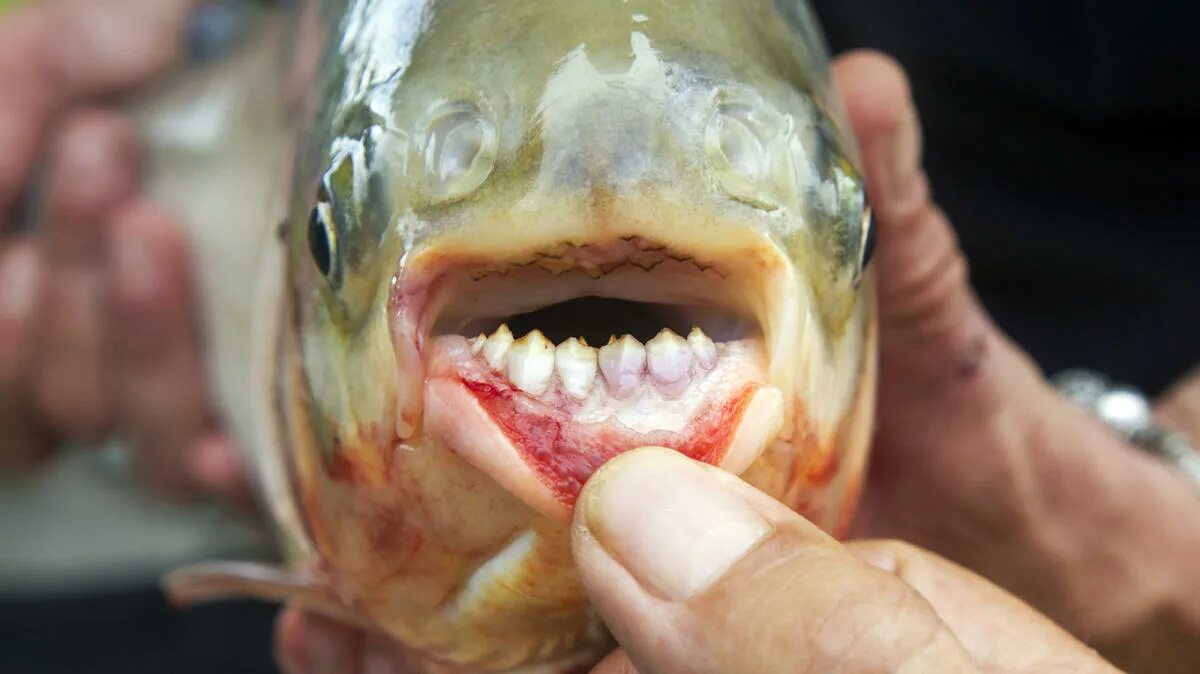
(82, 541)
(1060, 139)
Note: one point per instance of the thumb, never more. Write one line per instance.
(695, 571)
(935, 338)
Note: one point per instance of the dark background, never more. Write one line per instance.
(1063, 139)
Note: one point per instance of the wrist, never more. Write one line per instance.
(1120, 528)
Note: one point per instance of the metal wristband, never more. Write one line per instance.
(1128, 411)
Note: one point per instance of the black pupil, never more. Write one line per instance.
(318, 242)
(869, 242)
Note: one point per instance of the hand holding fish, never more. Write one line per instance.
(96, 322)
(695, 571)
(976, 459)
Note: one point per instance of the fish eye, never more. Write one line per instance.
(868, 245)
(321, 237)
(868, 238)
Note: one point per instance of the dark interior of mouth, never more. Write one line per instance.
(596, 319)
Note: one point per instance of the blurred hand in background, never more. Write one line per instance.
(97, 322)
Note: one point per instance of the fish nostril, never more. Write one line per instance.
(737, 140)
(458, 144)
(739, 143)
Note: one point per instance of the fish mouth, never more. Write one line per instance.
(542, 365)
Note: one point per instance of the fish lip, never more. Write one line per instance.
(428, 295)
(757, 272)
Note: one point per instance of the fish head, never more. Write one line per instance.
(527, 237)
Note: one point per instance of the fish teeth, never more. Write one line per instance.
(476, 344)
(669, 359)
(703, 348)
(531, 363)
(576, 364)
(496, 347)
(622, 362)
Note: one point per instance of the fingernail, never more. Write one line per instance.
(213, 463)
(673, 524)
(96, 166)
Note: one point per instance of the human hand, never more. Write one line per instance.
(1179, 408)
(694, 571)
(978, 459)
(97, 325)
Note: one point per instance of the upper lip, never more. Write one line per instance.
(443, 290)
(475, 296)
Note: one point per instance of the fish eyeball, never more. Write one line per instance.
(868, 238)
(321, 237)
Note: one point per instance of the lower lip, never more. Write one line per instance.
(564, 453)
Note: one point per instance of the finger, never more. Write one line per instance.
(616, 663)
(1008, 636)
(161, 398)
(25, 440)
(945, 372)
(934, 335)
(693, 571)
(1180, 407)
(93, 169)
(309, 644)
(216, 468)
(306, 643)
(58, 51)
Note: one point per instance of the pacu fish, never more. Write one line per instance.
(524, 236)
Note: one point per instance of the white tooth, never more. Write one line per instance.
(576, 364)
(703, 347)
(670, 361)
(476, 344)
(621, 363)
(496, 347)
(531, 363)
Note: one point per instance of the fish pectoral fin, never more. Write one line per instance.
(230, 580)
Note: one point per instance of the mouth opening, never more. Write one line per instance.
(540, 369)
(596, 320)
(594, 293)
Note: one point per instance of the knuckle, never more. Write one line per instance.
(93, 166)
(927, 259)
(879, 632)
(104, 133)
